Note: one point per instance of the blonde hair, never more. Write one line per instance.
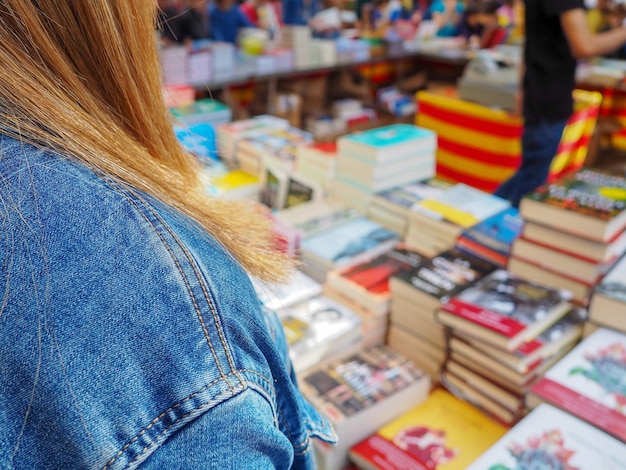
(82, 77)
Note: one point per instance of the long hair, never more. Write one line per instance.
(82, 77)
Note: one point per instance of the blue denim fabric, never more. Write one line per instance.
(539, 145)
(129, 336)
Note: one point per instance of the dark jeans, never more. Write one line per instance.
(539, 145)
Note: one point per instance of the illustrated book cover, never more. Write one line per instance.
(443, 433)
(590, 382)
(505, 310)
(549, 438)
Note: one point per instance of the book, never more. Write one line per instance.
(588, 203)
(504, 310)
(589, 382)
(608, 301)
(579, 290)
(359, 394)
(401, 198)
(551, 438)
(344, 245)
(588, 249)
(318, 328)
(423, 349)
(231, 184)
(388, 143)
(531, 354)
(492, 238)
(368, 282)
(431, 435)
(298, 287)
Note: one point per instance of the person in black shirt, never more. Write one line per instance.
(557, 34)
(179, 25)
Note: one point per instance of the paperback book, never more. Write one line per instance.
(589, 203)
(504, 310)
(277, 296)
(433, 435)
(551, 438)
(360, 393)
(608, 302)
(589, 382)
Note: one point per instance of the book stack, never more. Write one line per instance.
(365, 289)
(275, 148)
(499, 320)
(224, 59)
(391, 207)
(202, 111)
(360, 393)
(417, 293)
(589, 382)
(319, 329)
(550, 438)
(199, 66)
(435, 224)
(298, 39)
(173, 61)
(434, 434)
(492, 238)
(325, 51)
(380, 159)
(608, 301)
(574, 231)
(229, 134)
(317, 162)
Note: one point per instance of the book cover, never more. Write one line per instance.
(299, 190)
(613, 284)
(277, 296)
(274, 193)
(317, 216)
(445, 274)
(443, 433)
(498, 231)
(511, 307)
(340, 244)
(198, 139)
(590, 195)
(389, 136)
(549, 438)
(590, 382)
(407, 195)
(462, 205)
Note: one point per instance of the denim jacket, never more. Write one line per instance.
(129, 336)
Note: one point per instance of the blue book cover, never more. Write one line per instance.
(342, 243)
(498, 231)
(198, 139)
(389, 136)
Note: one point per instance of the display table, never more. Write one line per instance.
(481, 146)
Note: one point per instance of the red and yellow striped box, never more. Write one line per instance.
(481, 146)
(614, 107)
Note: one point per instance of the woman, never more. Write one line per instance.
(129, 331)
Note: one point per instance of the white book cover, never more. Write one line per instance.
(590, 382)
(549, 438)
(276, 296)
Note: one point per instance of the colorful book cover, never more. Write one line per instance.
(341, 243)
(590, 382)
(549, 438)
(446, 274)
(498, 231)
(198, 139)
(443, 433)
(228, 181)
(409, 194)
(588, 191)
(507, 304)
(298, 192)
(613, 284)
(347, 386)
(390, 136)
(462, 205)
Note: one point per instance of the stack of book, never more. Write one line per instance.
(589, 382)
(492, 238)
(365, 289)
(608, 301)
(275, 148)
(229, 134)
(359, 394)
(574, 231)
(319, 329)
(298, 39)
(391, 207)
(173, 61)
(442, 432)
(317, 162)
(550, 438)
(224, 60)
(382, 158)
(417, 293)
(436, 223)
(499, 320)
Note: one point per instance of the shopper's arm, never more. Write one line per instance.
(585, 44)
